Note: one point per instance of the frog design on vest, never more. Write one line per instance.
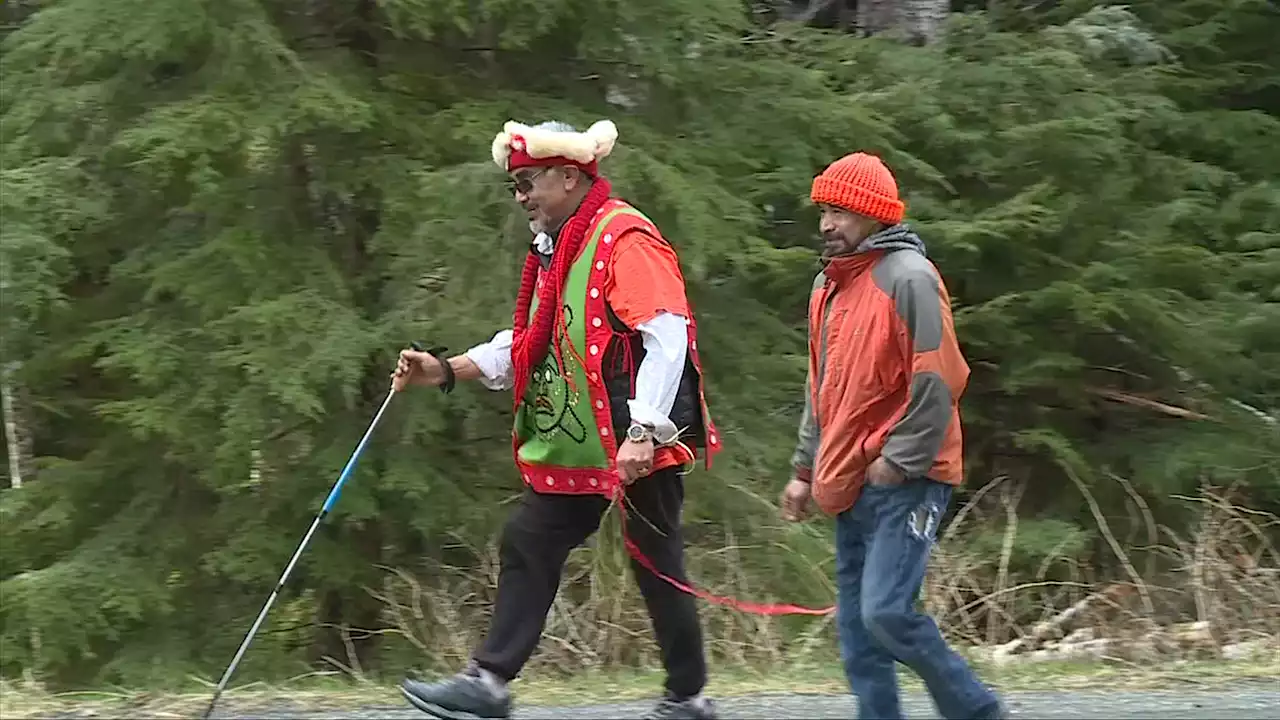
(554, 401)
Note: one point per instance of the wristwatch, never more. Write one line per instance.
(639, 433)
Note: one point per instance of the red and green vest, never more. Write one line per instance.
(563, 435)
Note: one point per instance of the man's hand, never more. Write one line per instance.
(882, 474)
(417, 368)
(795, 500)
(634, 460)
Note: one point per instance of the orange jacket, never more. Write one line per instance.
(885, 371)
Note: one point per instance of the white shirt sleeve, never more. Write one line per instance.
(494, 360)
(666, 344)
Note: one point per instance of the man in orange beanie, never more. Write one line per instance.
(879, 444)
(602, 358)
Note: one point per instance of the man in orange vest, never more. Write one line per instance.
(603, 361)
(879, 443)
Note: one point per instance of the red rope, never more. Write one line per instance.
(752, 608)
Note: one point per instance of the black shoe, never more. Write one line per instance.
(465, 696)
(669, 708)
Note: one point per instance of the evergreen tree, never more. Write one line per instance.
(222, 220)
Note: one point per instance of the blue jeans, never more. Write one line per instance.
(882, 548)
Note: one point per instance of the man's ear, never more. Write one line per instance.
(573, 177)
(869, 226)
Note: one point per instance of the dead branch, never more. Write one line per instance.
(1139, 401)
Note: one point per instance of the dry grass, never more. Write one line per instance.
(598, 620)
(1164, 609)
(1213, 593)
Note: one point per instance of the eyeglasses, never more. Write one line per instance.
(524, 183)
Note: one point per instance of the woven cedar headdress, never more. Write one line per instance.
(547, 145)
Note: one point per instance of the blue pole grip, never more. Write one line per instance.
(342, 480)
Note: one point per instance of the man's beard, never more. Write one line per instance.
(833, 246)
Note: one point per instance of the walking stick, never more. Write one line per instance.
(329, 502)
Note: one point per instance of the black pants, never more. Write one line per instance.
(537, 540)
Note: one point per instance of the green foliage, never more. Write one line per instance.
(223, 219)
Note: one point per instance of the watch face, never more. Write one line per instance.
(636, 433)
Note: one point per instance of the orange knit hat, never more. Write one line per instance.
(860, 183)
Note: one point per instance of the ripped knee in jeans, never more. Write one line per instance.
(923, 521)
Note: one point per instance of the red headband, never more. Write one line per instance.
(519, 158)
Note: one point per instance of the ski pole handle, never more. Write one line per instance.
(438, 353)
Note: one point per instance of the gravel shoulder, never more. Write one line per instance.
(1195, 691)
(1251, 700)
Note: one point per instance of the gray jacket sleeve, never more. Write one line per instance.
(807, 445)
(938, 372)
(807, 437)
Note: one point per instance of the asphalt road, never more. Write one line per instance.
(1231, 703)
